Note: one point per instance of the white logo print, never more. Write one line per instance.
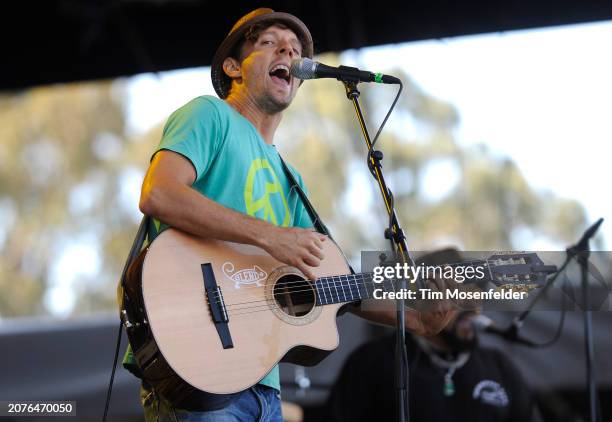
(490, 392)
(247, 276)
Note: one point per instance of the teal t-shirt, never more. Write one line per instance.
(234, 167)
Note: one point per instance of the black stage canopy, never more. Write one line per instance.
(53, 41)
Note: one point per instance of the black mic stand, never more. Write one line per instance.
(396, 236)
(581, 252)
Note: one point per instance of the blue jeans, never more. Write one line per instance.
(257, 404)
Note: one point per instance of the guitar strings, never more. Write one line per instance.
(332, 278)
(268, 301)
(353, 277)
(465, 263)
(315, 292)
(307, 280)
(311, 288)
(321, 294)
(348, 278)
(354, 291)
(355, 295)
(266, 307)
(269, 306)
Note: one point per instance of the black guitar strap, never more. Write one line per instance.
(125, 307)
(141, 235)
(316, 220)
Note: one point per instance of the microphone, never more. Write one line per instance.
(583, 243)
(306, 68)
(486, 324)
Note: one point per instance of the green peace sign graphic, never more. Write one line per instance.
(261, 170)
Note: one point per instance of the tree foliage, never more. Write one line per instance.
(70, 174)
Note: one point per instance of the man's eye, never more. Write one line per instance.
(266, 42)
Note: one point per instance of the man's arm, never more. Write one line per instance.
(167, 195)
(425, 322)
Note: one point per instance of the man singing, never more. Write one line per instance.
(217, 174)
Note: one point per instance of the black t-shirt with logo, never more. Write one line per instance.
(488, 388)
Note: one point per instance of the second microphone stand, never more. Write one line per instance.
(396, 236)
(581, 252)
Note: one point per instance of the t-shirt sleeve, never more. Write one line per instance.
(195, 131)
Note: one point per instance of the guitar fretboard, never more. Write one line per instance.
(354, 287)
(344, 288)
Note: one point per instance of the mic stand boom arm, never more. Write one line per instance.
(581, 249)
(396, 236)
(581, 252)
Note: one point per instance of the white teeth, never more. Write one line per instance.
(280, 66)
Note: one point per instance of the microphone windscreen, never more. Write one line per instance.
(303, 68)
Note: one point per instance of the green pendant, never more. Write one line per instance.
(449, 386)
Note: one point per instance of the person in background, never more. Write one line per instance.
(452, 378)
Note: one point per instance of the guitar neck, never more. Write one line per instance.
(344, 288)
(354, 287)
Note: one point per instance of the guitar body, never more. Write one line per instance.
(270, 309)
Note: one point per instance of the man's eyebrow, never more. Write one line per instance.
(295, 41)
(268, 32)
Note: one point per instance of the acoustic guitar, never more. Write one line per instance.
(214, 316)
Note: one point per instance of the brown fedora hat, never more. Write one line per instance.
(221, 82)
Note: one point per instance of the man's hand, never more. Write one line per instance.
(433, 314)
(428, 320)
(300, 248)
(428, 323)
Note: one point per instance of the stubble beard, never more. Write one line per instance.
(271, 105)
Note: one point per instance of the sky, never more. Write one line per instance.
(541, 97)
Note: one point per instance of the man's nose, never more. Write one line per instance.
(286, 48)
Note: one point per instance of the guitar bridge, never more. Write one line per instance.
(216, 301)
(216, 304)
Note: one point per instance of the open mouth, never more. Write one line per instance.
(280, 73)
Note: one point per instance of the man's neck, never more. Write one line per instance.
(265, 123)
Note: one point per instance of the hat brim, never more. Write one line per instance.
(221, 82)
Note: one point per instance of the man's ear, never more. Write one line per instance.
(232, 68)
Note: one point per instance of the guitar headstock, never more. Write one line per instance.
(517, 268)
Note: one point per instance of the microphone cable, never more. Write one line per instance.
(370, 158)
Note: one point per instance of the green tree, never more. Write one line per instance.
(69, 174)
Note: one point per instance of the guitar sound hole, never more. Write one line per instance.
(294, 295)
